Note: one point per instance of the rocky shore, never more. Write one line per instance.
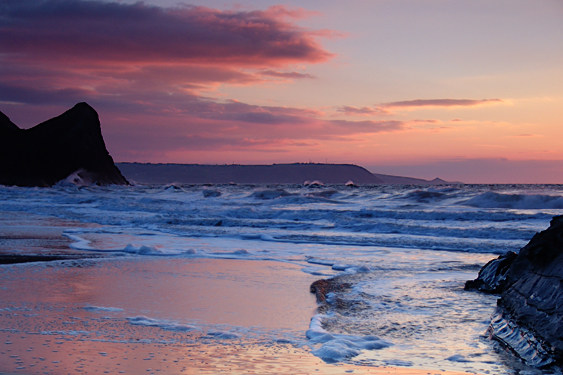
(528, 319)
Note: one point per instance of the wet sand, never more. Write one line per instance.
(47, 326)
(54, 355)
(26, 237)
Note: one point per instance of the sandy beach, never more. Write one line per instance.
(49, 329)
(166, 315)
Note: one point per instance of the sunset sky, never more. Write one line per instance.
(467, 90)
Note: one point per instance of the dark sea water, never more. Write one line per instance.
(405, 250)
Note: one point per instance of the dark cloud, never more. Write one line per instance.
(73, 31)
(440, 103)
(29, 95)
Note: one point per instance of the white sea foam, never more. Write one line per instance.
(160, 323)
(102, 309)
(79, 242)
(142, 250)
(223, 335)
(338, 347)
(78, 178)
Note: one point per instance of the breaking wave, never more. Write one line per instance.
(516, 201)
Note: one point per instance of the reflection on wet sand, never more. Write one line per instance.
(55, 355)
(169, 315)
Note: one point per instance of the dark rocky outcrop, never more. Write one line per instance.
(529, 316)
(492, 277)
(70, 144)
(324, 286)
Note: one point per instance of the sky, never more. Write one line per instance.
(464, 90)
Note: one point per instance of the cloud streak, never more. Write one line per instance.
(389, 108)
(286, 75)
(418, 103)
(363, 111)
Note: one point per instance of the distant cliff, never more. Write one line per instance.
(68, 146)
(529, 316)
(399, 180)
(247, 174)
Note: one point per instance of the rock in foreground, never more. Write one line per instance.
(529, 316)
(68, 146)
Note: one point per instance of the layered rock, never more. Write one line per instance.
(529, 317)
(68, 146)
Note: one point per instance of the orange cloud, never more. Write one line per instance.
(526, 136)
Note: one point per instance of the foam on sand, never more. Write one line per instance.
(160, 323)
(338, 347)
(102, 309)
(90, 356)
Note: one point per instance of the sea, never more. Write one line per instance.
(404, 252)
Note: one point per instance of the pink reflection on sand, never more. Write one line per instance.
(264, 294)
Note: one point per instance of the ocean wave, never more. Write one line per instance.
(471, 219)
(516, 201)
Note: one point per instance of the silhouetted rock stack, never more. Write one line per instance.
(529, 317)
(68, 146)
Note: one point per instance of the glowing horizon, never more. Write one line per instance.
(468, 91)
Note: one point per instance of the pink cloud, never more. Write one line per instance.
(366, 127)
(73, 31)
(147, 59)
(440, 103)
(429, 121)
(286, 75)
(232, 126)
(363, 111)
(150, 71)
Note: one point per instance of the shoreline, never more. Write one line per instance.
(56, 355)
(28, 238)
(267, 305)
(57, 348)
(22, 258)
